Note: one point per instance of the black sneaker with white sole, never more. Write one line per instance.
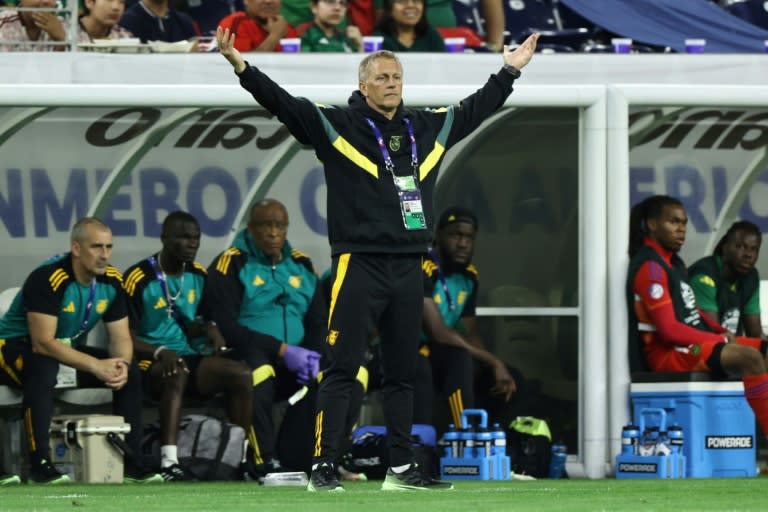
(413, 479)
(46, 473)
(176, 473)
(324, 479)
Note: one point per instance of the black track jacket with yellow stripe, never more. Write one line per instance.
(363, 208)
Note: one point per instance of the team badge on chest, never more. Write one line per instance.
(394, 142)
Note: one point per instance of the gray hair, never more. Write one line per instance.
(78, 230)
(366, 63)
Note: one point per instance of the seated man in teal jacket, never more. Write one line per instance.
(264, 297)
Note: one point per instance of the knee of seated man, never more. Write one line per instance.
(749, 360)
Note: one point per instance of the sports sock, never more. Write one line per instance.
(756, 391)
(168, 455)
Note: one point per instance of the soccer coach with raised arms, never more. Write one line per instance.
(381, 162)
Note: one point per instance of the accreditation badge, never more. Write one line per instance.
(413, 215)
(410, 203)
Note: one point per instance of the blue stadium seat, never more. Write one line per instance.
(751, 11)
(565, 17)
(524, 17)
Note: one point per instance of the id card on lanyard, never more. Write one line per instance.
(407, 187)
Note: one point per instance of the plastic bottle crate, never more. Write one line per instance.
(487, 465)
(650, 466)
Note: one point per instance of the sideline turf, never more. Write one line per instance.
(543, 495)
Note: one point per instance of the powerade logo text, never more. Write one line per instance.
(461, 470)
(728, 442)
(629, 467)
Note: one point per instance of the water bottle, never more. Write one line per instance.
(663, 444)
(499, 440)
(630, 438)
(452, 442)
(484, 442)
(557, 462)
(675, 434)
(468, 443)
(650, 439)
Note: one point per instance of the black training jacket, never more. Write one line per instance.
(363, 208)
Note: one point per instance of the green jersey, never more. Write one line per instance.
(315, 40)
(52, 289)
(728, 299)
(455, 293)
(161, 307)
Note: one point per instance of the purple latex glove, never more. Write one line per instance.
(301, 362)
(309, 372)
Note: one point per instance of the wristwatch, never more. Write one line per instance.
(512, 70)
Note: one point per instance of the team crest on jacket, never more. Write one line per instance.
(394, 142)
(656, 291)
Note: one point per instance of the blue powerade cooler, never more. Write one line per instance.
(718, 424)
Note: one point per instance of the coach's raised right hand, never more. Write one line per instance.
(226, 42)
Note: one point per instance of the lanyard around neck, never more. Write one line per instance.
(88, 307)
(161, 277)
(441, 278)
(388, 163)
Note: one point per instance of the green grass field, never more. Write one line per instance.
(542, 495)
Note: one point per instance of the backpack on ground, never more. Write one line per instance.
(529, 445)
(211, 449)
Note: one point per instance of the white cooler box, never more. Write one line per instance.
(79, 447)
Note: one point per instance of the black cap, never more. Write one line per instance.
(456, 214)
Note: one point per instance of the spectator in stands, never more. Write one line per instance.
(27, 28)
(452, 340)
(379, 229)
(259, 27)
(405, 28)
(100, 21)
(727, 284)
(47, 324)
(156, 20)
(439, 12)
(667, 329)
(180, 351)
(324, 34)
(361, 15)
(263, 295)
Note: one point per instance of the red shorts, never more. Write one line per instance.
(692, 358)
